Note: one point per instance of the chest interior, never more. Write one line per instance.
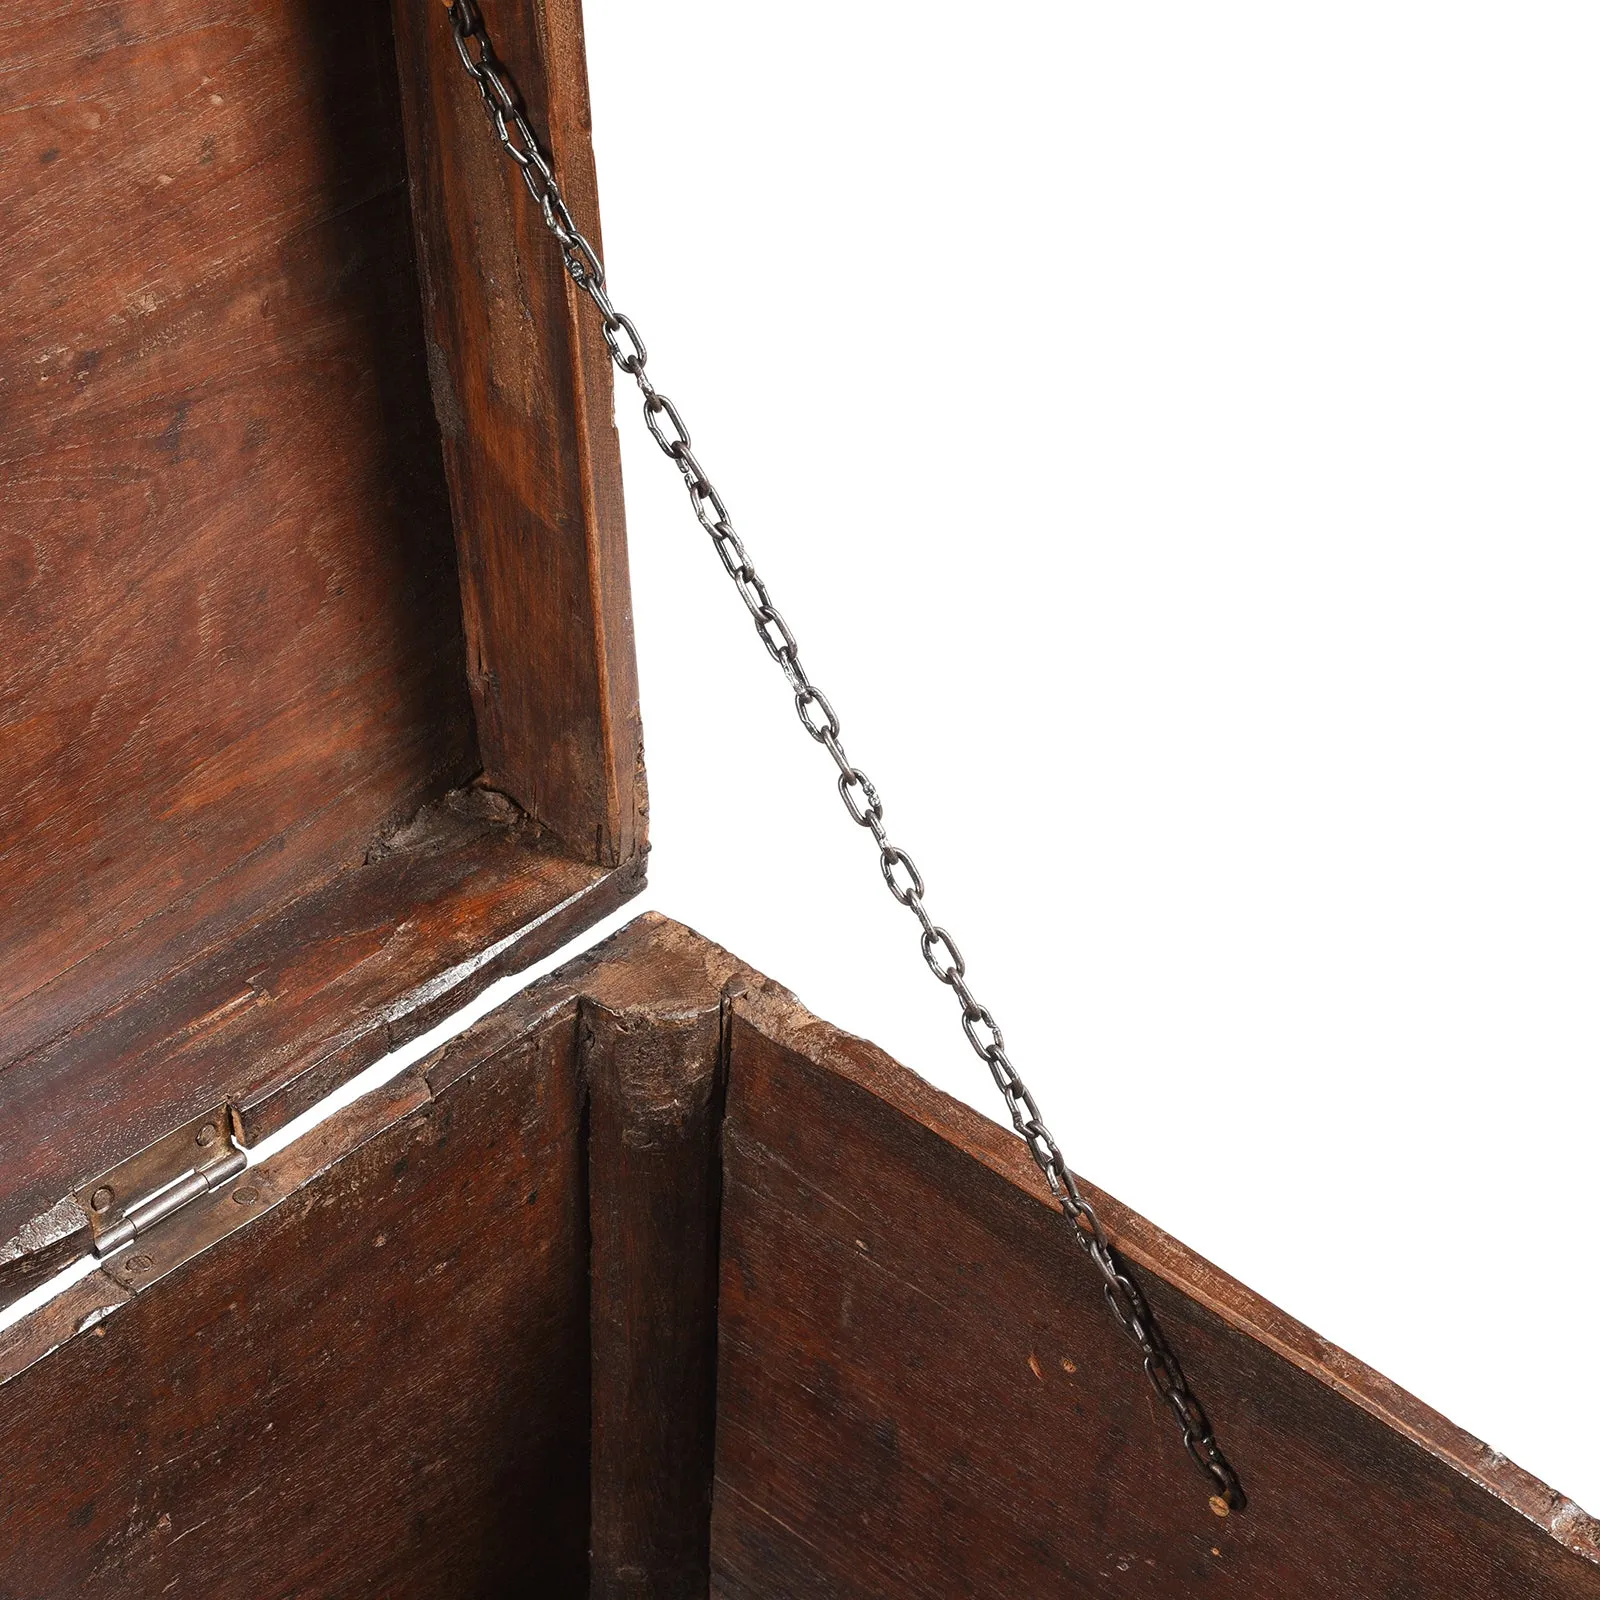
(319, 715)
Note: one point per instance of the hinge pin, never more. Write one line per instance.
(141, 1218)
(186, 1162)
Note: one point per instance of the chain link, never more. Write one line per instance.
(1126, 1300)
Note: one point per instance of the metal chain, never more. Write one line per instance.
(1126, 1300)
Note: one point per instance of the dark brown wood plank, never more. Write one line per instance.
(230, 647)
(376, 1385)
(455, 898)
(232, 657)
(654, 1075)
(522, 384)
(920, 1391)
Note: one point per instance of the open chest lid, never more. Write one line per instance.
(318, 705)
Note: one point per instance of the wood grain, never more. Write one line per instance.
(377, 1381)
(233, 666)
(377, 1386)
(230, 646)
(522, 385)
(920, 1391)
(655, 1105)
(380, 1380)
(450, 901)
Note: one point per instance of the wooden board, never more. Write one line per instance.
(653, 1045)
(920, 1390)
(376, 1384)
(233, 664)
(289, 1009)
(522, 384)
(230, 647)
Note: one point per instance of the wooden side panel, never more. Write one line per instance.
(376, 1386)
(230, 645)
(522, 385)
(920, 1391)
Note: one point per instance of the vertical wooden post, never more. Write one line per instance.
(655, 1086)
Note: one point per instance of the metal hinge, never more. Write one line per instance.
(164, 1177)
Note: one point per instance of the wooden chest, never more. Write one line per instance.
(319, 714)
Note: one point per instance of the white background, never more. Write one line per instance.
(1171, 432)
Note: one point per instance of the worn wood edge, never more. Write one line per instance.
(190, 1233)
(41, 1248)
(593, 383)
(776, 1014)
(81, 1308)
(652, 967)
(53, 1239)
(422, 829)
(653, 1075)
(415, 1011)
(75, 1311)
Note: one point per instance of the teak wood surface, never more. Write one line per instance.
(378, 1385)
(317, 695)
(920, 1390)
(522, 382)
(461, 1341)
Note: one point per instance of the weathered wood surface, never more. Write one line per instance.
(377, 1385)
(920, 1391)
(653, 1069)
(449, 902)
(380, 1380)
(371, 1375)
(230, 643)
(232, 658)
(522, 384)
